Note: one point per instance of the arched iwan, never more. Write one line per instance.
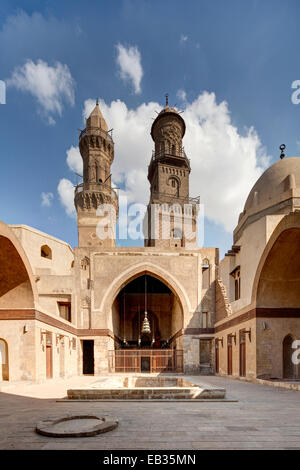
(138, 270)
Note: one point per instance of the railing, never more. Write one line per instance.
(97, 187)
(145, 360)
(164, 154)
(96, 131)
(173, 199)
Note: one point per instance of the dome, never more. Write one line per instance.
(171, 112)
(278, 178)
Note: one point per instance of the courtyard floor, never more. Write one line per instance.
(264, 417)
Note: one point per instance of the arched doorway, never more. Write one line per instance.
(290, 370)
(4, 364)
(145, 298)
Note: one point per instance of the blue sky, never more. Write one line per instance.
(246, 53)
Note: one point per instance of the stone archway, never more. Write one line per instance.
(163, 348)
(17, 287)
(135, 271)
(164, 311)
(279, 281)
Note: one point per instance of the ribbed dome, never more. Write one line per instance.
(280, 177)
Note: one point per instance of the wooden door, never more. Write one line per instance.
(49, 368)
(242, 355)
(229, 356)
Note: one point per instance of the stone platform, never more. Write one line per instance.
(143, 387)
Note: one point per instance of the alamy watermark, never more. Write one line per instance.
(155, 221)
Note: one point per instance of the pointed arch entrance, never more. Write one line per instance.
(146, 300)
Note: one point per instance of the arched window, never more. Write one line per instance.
(46, 252)
(205, 274)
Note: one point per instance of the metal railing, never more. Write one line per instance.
(165, 154)
(173, 199)
(97, 187)
(96, 131)
(145, 360)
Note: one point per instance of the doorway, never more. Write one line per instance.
(242, 354)
(62, 357)
(49, 365)
(88, 357)
(229, 355)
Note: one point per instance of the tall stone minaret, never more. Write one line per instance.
(97, 150)
(168, 174)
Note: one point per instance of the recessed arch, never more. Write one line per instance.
(17, 286)
(138, 270)
(277, 279)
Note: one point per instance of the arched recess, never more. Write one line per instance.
(290, 370)
(17, 284)
(277, 279)
(138, 270)
(4, 362)
(146, 293)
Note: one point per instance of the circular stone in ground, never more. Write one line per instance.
(75, 426)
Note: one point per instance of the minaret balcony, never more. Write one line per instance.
(97, 188)
(178, 159)
(165, 198)
(96, 131)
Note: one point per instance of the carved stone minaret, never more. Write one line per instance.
(168, 174)
(97, 150)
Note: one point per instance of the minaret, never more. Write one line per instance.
(168, 174)
(97, 150)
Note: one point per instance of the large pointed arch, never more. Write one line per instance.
(277, 255)
(17, 287)
(138, 270)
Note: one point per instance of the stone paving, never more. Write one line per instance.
(263, 418)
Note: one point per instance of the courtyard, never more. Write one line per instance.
(253, 417)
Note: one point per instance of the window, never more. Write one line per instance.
(236, 274)
(65, 310)
(205, 274)
(46, 252)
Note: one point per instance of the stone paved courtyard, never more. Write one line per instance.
(263, 418)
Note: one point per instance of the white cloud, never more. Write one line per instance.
(51, 86)
(225, 163)
(129, 61)
(47, 199)
(65, 190)
(181, 94)
(183, 38)
(74, 160)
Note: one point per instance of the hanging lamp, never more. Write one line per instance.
(146, 325)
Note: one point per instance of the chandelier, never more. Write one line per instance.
(146, 325)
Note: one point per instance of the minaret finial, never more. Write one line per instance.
(167, 99)
(282, 148)
(97, 101)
